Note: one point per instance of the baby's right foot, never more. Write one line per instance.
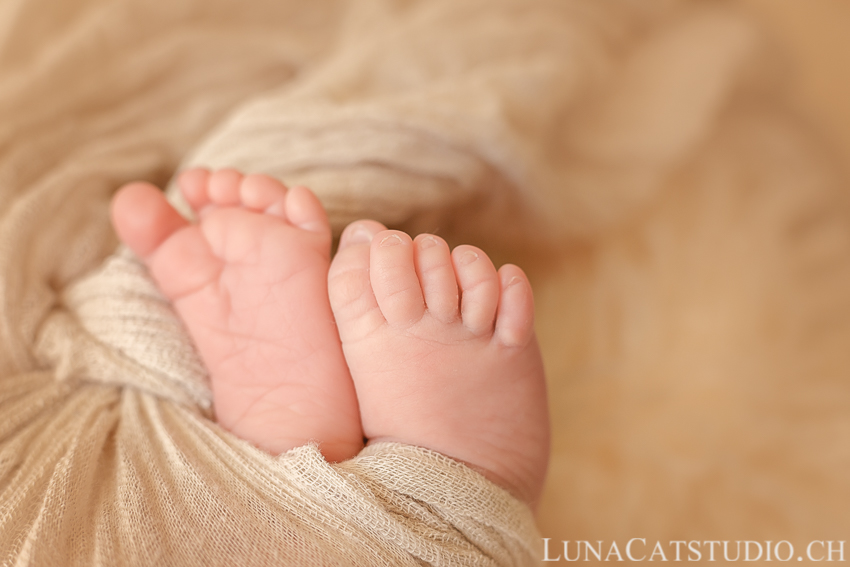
(442, 351)
(249, 280)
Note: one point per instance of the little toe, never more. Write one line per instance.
(437, 276)
(394, 280)
(143, 218)
(479, 288)
(223, 187)
(264, 194)
(349, 286)
(304, 210)
(515, 315)
(193, 185)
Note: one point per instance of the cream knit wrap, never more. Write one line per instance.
(414, 113)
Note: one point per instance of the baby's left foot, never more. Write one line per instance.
(442, 351)
(249, 281)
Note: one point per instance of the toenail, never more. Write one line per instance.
(513, 281)
(358, 235)
(467, 258)
(427, 242)
(392, 240)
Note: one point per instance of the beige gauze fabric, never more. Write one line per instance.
(414, 113)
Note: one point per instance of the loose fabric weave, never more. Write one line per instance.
(563, 116)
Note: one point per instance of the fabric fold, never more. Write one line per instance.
(578, 111)
(117, 476)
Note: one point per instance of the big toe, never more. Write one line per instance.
(143, 218)
(349, 285)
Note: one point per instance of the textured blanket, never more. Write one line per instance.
(507, 122)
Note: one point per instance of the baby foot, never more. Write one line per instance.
(442, 351)
(249, 281)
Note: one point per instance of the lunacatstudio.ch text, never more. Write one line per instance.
(639, 549)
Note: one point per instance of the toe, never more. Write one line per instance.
(193, 185)
(304, 210)
(349, 286)
(515, 318)
(262, 193)
(223, 187)
(479, 288)
(394, 278)
(437, 276)
(143, 218)
(174, 251)
(183, 263)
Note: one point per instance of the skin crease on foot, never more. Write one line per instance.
(398, 339)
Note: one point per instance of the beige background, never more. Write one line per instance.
(813, 37)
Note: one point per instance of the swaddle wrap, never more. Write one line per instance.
(408, 112)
